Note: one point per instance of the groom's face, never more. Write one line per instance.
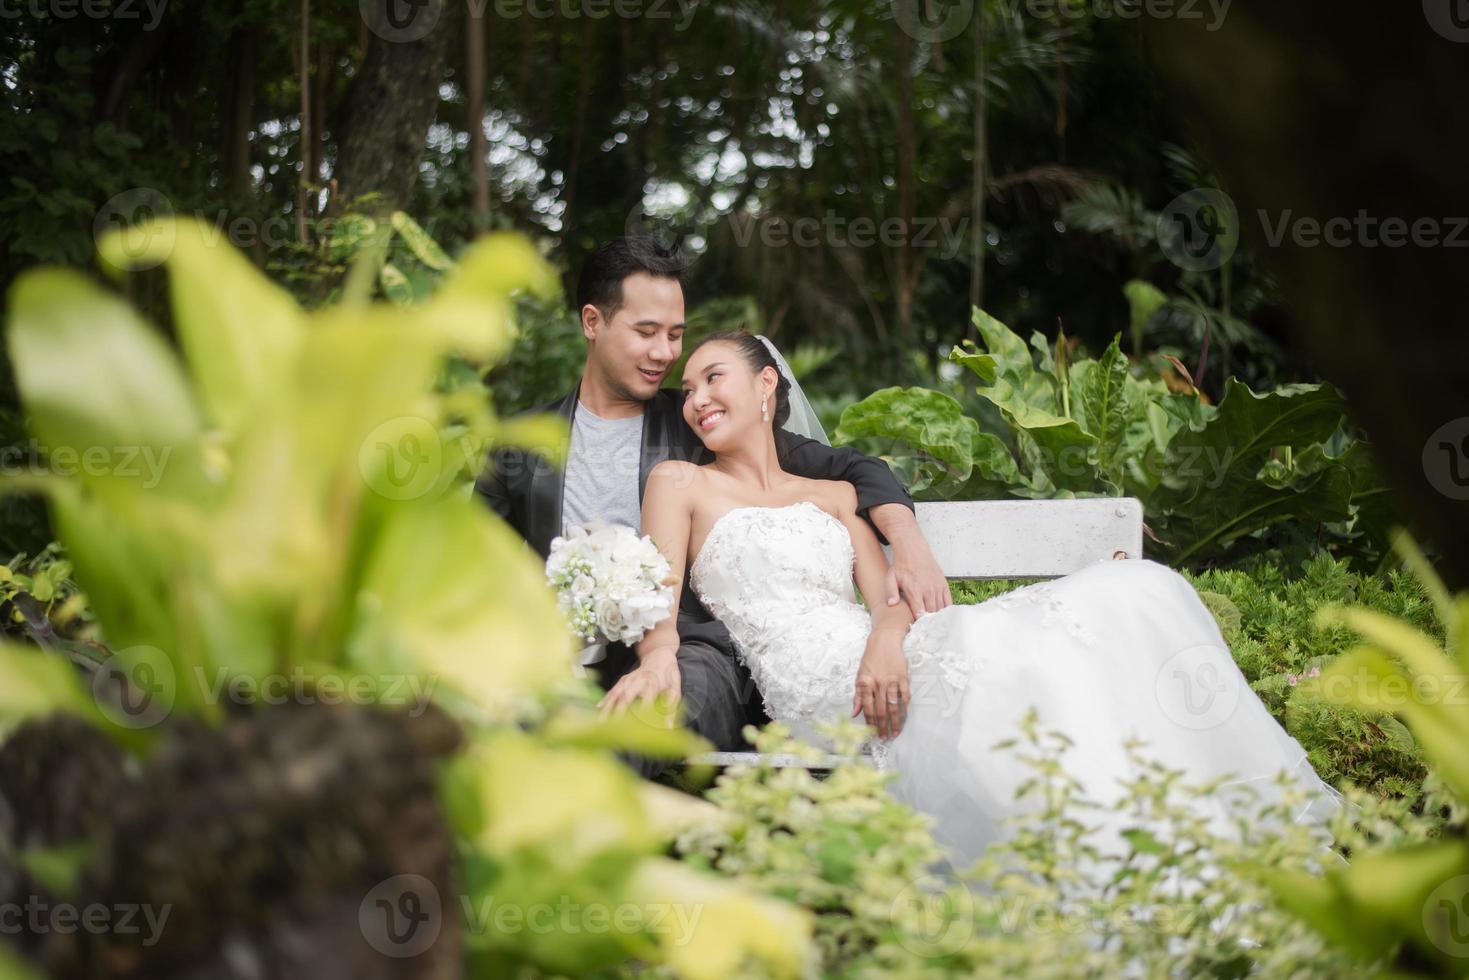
(633, 348)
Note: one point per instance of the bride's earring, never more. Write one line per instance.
(764, 408)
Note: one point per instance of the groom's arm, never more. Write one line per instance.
(915, 576)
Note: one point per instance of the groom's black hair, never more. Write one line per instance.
(758, 356)
(600, 282)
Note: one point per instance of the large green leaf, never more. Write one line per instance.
(1380, 900)
(239, 331)
(1105, 404)
(1011, 355)
(105, 395)
(926, 433)
(1212, 490)
(435, 605)
(421, 243)
(1054, 445)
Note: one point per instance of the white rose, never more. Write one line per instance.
(609, 618)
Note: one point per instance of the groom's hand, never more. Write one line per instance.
(915, 576)
(656, 674)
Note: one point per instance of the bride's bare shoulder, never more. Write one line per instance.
(837, 497)
(674, 476)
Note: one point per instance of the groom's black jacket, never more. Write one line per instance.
(525, 489)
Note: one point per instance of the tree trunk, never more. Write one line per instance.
(907, 167)
(981, 151)
(303, 185)
(241, 114)
(474, 88)
(1384, 322)
(390, 108)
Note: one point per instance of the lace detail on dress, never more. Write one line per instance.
(780, 579)
(1053, 609)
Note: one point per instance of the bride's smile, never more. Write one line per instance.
(725, 401)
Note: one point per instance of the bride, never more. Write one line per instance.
(1120, 650)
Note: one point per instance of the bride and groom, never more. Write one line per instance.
(767, 531)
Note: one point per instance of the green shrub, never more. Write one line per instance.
(885, 904)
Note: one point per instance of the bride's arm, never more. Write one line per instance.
(667, 518)
(882, 693)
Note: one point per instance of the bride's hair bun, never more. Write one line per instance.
(758, 356)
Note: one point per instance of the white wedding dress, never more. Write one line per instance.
(1119, 650)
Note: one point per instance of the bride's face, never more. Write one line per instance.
(722, 396)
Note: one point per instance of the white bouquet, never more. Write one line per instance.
(612, 585)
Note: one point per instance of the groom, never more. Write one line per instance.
(630, 298)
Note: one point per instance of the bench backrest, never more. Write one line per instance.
(1029, 538)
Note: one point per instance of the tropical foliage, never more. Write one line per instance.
(1047, 423)
(310, 521)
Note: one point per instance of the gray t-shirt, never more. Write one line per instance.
(602, 470)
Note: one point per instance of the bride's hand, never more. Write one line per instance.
(656, 674)
(882, 684)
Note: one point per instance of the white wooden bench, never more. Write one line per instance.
(994, 539)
